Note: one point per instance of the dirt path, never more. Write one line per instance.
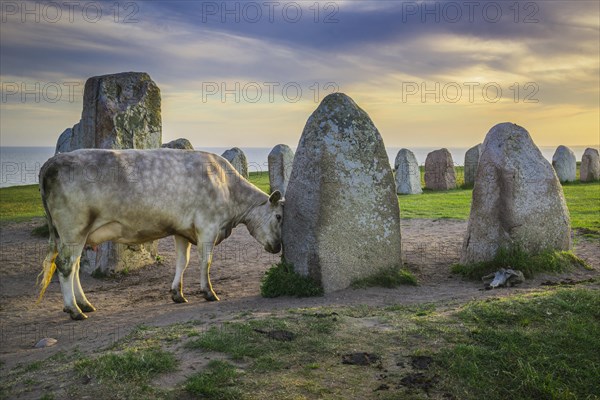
(141, 297)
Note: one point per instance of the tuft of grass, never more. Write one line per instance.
(312, 337)
(215, 382)
(132, 364)
(388, 278)
(41, 231)
(34, 366)
(518, 259)
(526, 347)
(282, 280)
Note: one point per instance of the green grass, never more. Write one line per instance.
(215, 382)
(312, 337)
(19, 203)
(260, 180)
(454, 204)
(388, 278)
(132, 364)
(548, 261)
(541, 346)
(583, 201)
(530, 346)
(282, 280)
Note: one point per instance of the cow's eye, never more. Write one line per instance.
(278, 217)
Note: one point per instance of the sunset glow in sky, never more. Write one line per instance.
(250, 73)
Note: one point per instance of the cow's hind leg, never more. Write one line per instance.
(80, 298)
(182, 250)
(66, 262)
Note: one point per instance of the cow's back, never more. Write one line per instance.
(154, 188)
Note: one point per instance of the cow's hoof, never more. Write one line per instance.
(77, 316)
(177, 297)
(87, 307)
(210, 296)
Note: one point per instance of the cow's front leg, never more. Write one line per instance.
(205, 251)
(68, 257)
(182, 250)
(82, 301)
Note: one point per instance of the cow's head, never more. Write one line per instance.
(265, 223)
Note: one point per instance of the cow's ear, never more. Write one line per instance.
(275, 197)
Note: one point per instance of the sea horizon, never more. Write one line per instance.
(20, 165)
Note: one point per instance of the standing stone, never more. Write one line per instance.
(181, 144)
(280, 161)
(341, 216)
(517, 201)
(63, 144)
(408, 175)
(590, 165)
(439, 170)
(565, 164)
(120, 111)
(471, 162)
(237, 158)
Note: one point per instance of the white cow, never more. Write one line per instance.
(135, 196)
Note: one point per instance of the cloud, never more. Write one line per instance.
(368, 49)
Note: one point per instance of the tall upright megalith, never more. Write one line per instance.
(341, 216)
(471, 162)
(565, 164)
(517, 202)
(280, 162)
(590, 165)
(407, 173)
(237, 158)
(439, 170)
(120, 111)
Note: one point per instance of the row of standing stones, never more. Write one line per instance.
(439, 167)
(341, 205)
(440, 173)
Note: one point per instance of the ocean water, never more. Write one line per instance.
(21, 165)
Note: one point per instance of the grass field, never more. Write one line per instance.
(583, 200)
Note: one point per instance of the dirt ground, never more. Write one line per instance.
(142, 297)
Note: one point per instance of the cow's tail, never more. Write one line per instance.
(49, 266)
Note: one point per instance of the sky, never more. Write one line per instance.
(250, 73)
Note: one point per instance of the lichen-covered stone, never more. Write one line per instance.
(237, 158)
(517, 201)
(439, 170)
(407, 173)
(471, 162)
(181, 144)
(565, 164)
(590, 165)
(120, 111)
(341, 217)
(280, 162)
